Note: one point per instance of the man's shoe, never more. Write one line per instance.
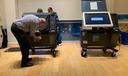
(26, 64)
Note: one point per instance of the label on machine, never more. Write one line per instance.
(93, 6)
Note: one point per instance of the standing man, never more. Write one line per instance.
(55, 20)
(22, 27)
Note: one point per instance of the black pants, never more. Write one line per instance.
(23, 42)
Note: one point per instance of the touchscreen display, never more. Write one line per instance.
(97, 18)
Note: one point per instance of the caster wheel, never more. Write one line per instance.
(104, 50)
(113, 54)
(33, 51)
(83, 54)
(53, 52)
(115, 50)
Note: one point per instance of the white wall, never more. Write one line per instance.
(2, 14)
(121, 6)
(110, 5)
(118, 6)
(69, 10)
(10, 16)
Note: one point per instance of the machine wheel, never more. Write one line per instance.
(84, 53)
(104, 50)
(33, 51)
(113, 54)
(53, 52)
(115, 50)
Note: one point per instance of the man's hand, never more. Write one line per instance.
(42, 21)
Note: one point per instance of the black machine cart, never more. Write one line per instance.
(49, 36)
(101, 38)
(100, 29)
